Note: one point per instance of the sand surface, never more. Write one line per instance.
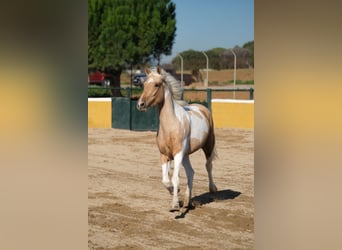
(129, 206)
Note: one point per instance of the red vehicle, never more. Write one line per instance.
(99, 78)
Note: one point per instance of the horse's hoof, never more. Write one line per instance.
(175, 208)
(213, 189)
(189, 205)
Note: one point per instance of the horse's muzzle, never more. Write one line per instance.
(141, 106)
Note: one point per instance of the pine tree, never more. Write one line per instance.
(128, 32)
(165, 24)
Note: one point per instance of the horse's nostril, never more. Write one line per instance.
(140, 105)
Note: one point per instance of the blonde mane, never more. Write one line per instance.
(174, 85)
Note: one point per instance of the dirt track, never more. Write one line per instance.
(128, 205)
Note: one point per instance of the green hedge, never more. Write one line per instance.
(99, 91)
(96, 91)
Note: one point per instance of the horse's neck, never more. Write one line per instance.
(167, 109)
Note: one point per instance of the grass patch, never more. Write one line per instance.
(238, 82)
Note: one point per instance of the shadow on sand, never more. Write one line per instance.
(207, 198)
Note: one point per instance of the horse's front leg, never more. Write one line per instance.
(165, 173)
(166, 163)
(178, 159)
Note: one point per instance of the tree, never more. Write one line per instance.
(241, 58)
(214, 56)
(219, 58)
(165, 24)
(128, 32)
(193, 60)
(250, 47)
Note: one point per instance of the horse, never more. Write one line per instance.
(183, 129)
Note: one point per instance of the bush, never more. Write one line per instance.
(99, 91)
(96, 91)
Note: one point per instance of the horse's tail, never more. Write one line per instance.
(210, 149)
(213, 154)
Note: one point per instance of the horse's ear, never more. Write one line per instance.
(159, 70)
(147, 70)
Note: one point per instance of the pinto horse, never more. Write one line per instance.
(183, 129)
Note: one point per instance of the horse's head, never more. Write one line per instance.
(153, 93)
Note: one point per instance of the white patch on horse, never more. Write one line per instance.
(199, 126)
(180, 114)
(178, 159)
(165, 175)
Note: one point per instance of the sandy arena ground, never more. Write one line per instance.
(129, 206)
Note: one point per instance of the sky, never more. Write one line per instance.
(206, 24)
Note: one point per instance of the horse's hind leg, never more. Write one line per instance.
(209, 151)
(190, 175)
(209, 166)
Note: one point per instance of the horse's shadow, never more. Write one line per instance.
(207, 198)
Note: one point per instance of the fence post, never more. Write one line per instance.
(251, 94)
(130, 106)
(209, 98)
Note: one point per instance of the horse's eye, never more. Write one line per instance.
(157, 85)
